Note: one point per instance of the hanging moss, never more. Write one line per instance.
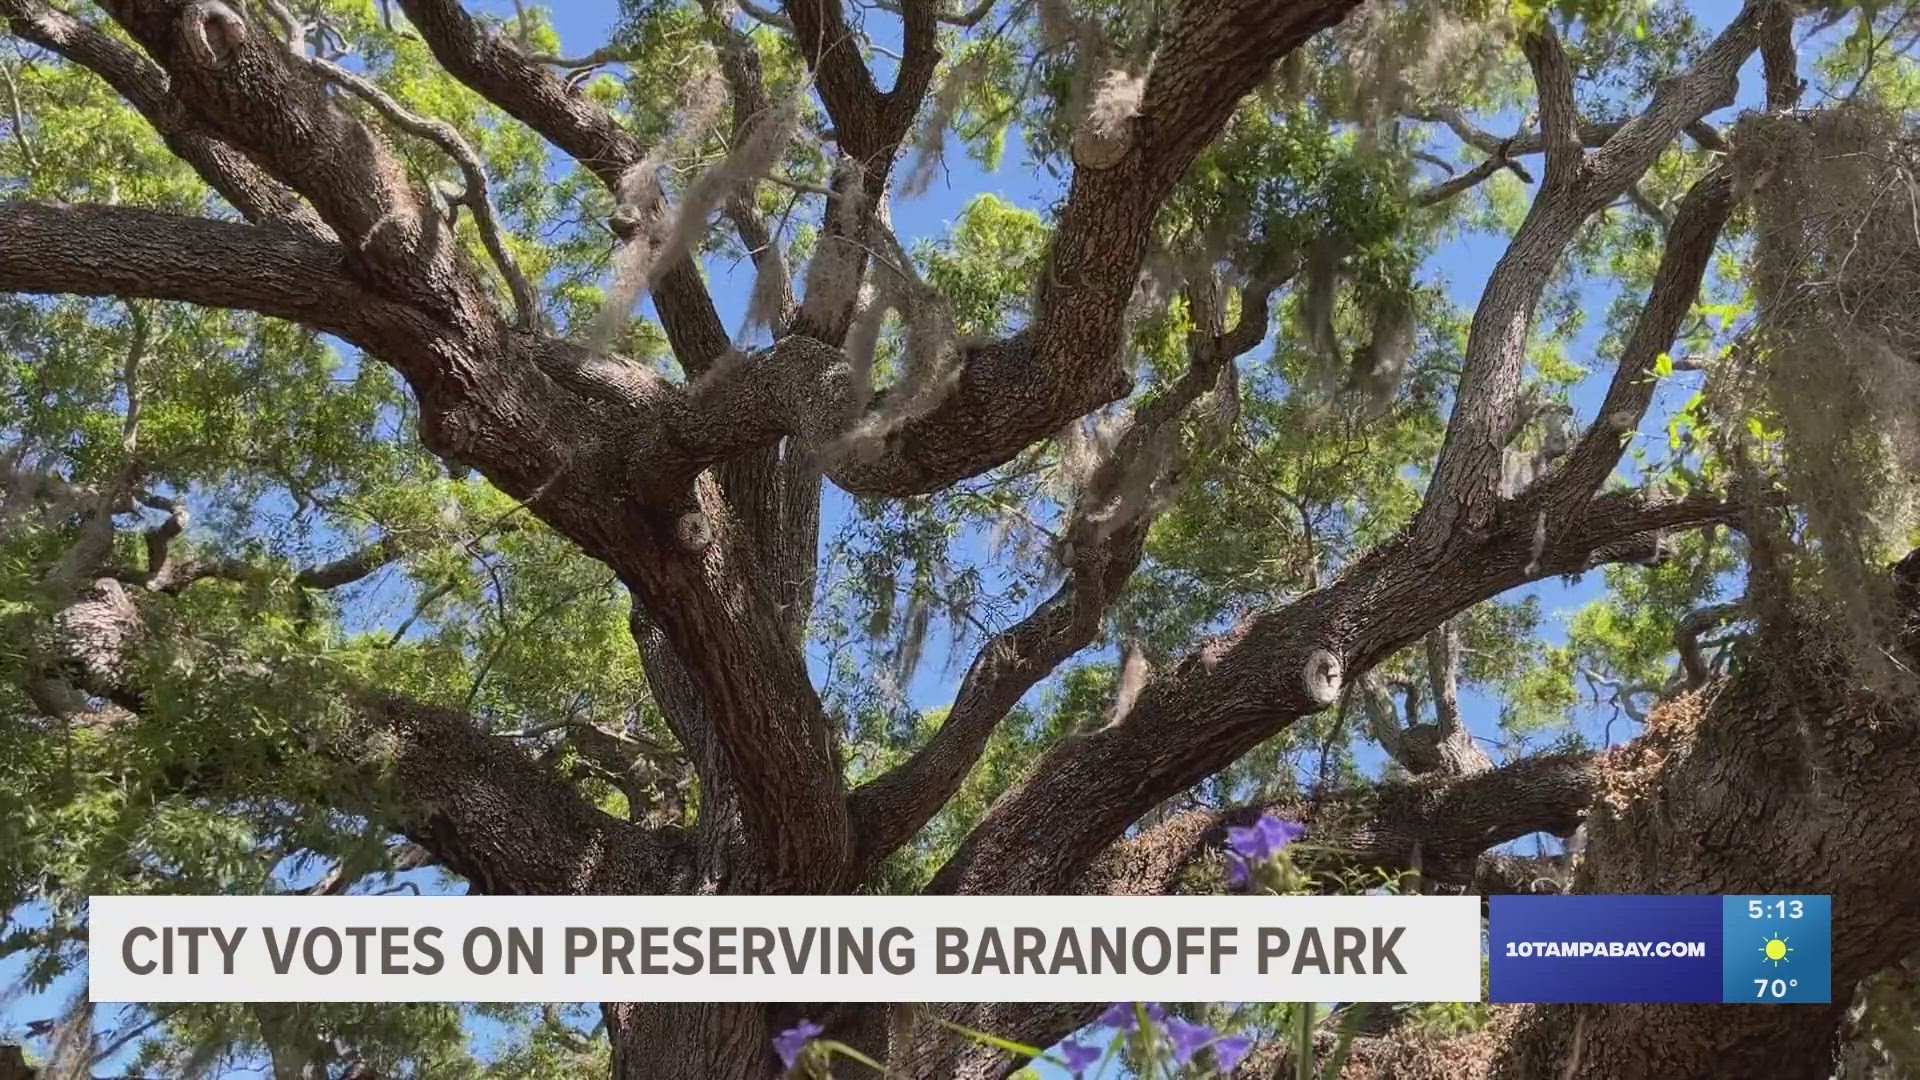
(1829, 380)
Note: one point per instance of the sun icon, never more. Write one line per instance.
(1775, 949)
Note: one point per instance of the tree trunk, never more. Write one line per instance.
(1788, 777)
(727, 1042)
(713, 1042)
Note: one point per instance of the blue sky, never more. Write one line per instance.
(1462, 266)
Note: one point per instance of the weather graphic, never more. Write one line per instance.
(1778, 949)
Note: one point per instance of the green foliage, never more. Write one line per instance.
(987, 264)
(291, 450)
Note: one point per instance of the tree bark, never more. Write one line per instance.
(1788, 777)
(702, 497)
(717, 1041)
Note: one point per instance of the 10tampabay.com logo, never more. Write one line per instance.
(1757, 949)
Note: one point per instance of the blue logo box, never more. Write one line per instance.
(1616, 949)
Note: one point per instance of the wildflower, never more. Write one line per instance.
(790, 1043)
(1122, 1015)
(1237, 876)
(1187, 1038)
(1264, 838)
(1229, 1052)
(1078, 1056)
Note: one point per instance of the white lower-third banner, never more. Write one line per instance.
(784, 948)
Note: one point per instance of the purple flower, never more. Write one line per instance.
(1230, 1051)
(1266, 836)
(1078, 1056)
(790, 1043)
(1237, 876)
(1122, 1015)
(1187, 1038)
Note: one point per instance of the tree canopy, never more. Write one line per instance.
(434, 458)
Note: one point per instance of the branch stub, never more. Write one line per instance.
(1321, 677)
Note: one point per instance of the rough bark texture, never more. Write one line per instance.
(703, 496)
(1788, 777)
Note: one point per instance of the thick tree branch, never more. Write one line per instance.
(130, 252)
(243, 80)
(495, 68)
(757, 729)
(1008, 394)
(1780, 60)
(1383, 716)
(258, 196)
(1439, 826)
(1593, 133)
(1462, 182)
(1443, 670)
(164, 573)
(479, 804)
(1444, 746)
(1680, 102)
(868, 123)
(1202, 714)
(503, 417)
(353, 567)
(1687, 633)
(1559, 118)
(774, 490)
(1104, 545)
(1465, 486)
(891, 808)
(1690, 242)
(498, 818)
(869, 126)
(476, 195)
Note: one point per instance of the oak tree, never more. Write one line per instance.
(385, 491)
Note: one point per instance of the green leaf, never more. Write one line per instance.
(843, 1050)
(998, 1043)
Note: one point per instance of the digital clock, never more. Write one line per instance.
(1786, 907)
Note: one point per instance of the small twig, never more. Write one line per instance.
(419, 609)
(1456, 184)
(522, 30)
(771, 18)
(493, 654)
(800, 186)
(17, 115)
(1638, 195)
(1687, 635)
(444, 135)
(969, 18)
